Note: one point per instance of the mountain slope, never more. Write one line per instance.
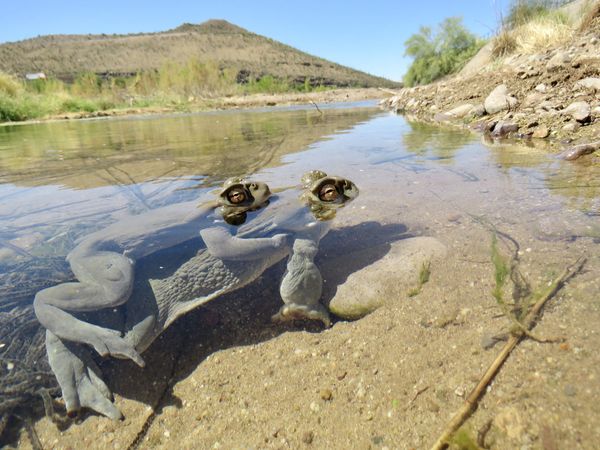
(251, 55)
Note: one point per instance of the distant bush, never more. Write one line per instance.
(268, 84)
(437, 55)
(9, 85)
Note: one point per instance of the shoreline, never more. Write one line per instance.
(237, 102)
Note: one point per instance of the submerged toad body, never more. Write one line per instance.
(104, 265)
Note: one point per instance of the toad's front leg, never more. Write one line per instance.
(302, 286)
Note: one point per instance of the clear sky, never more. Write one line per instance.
(368, 35)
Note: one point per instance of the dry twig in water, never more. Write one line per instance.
(471, 401)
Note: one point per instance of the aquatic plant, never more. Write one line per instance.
(424, 274)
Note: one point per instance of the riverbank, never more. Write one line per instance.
(241, 101)
(551, 96)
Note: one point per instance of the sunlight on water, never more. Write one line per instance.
(60, 181)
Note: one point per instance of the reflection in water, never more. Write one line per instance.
(433, 142)
(61, 181)
(97, 153)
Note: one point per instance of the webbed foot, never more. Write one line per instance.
(109, 342)
(79, 378)
(293, 311)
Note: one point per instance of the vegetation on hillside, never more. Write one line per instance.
(177, 86)
(439, 54)
(248, 55)
(183, 68)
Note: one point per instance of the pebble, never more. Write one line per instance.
(326, 394)
(570, 390)
(580, 111)
(541, 132)
(314, 407)
(308, 437)
(571, 127)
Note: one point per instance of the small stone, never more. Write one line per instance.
(499, 100)
(326, 394)
(541, 88)
(580, 111)
(503, 128)
(460, 111)
(541, 132)
(340, 376)
(570, 390)
(308, 437)
(571, 127)
(560, 59)
(314, 407)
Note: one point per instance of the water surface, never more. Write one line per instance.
(62, 180)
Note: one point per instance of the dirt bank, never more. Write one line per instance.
(552, 96)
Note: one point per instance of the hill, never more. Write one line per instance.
(232, 47)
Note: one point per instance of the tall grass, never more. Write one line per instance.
(532, 26)
(173, 84)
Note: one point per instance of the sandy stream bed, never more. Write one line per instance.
(226, 377)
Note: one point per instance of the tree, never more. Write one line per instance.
(437, 55)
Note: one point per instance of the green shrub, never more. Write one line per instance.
(437, 55)
(268, 84)
(24, 107)
(9, 85)
(87, 84)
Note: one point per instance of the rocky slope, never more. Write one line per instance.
(553, 96)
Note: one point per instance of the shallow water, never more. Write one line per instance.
(62, 180)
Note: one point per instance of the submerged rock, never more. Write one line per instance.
(578, 151)
(388, 279)
(502, 128)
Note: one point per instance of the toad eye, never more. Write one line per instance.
(253, 186)
(236, 196)
(328, 193)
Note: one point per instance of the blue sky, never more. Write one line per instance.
(365, 35)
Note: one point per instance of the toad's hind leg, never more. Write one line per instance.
(302, 286)
(105, 281)
(79, 378)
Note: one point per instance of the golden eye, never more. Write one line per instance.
(328, 193)
(236, 196)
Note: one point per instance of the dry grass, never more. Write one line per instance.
(545, 31)
(590, 16)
